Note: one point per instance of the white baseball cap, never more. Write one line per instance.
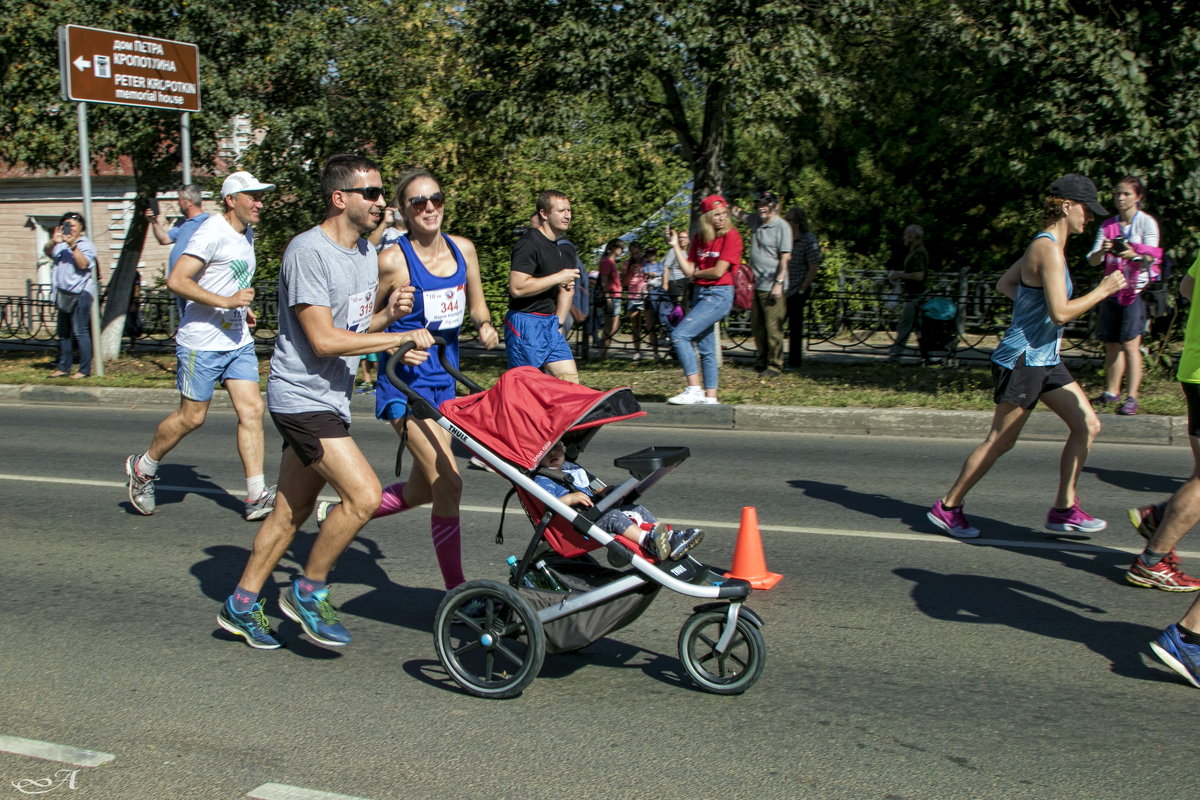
(243, 182)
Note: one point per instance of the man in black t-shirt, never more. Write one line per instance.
(541, 285)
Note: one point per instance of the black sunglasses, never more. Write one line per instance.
(369, 193)
(420, 201)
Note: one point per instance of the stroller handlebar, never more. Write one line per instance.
(394, 362)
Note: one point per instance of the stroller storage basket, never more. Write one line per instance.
(585, 627)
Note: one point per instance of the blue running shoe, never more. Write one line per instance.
(316, 615)
(1177, 654)
(251, 625)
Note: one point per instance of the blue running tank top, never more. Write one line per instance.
(1032, 333)
(439, 304)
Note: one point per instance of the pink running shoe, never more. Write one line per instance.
(1074, 519)
(952, 521)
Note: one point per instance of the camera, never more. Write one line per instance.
(152, 204)
(1119, 245)
(66, 227)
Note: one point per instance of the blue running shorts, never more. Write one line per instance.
(533, 340)
(201, 370)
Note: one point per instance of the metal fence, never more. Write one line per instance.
(858, 316)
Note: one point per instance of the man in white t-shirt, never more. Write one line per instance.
(213, 344)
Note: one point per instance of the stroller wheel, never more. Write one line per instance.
(489, 639)
(731, 672)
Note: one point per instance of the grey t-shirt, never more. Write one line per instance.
(768, 242)
(319, 272)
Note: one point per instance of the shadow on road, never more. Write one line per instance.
(176, 481)
(1023, 606)
(1160, 487)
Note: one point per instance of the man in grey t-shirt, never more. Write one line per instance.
(328, 318)
(770, 251)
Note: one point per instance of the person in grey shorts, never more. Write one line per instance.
(327, 320)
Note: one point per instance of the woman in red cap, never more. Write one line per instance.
(708, 264)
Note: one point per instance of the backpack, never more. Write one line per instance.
(743, 287)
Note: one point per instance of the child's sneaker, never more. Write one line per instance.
(1074, 519)
(681, 542)
(952, 520)
(659, 539)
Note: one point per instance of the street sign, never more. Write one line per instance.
(99, 66)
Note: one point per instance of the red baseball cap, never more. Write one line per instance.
(711, 202)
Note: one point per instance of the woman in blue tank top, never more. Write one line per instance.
(445, 273)
(1026, 366)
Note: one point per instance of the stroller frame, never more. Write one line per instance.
(488, 636)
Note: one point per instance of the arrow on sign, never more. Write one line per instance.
(81, 63)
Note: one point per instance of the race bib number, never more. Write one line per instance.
(362, 306)
(444, 307)
(232, 318)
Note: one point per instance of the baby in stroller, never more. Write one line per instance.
(633, 522)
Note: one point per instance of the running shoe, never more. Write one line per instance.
(1129, 407)
(1105, 399)
(250, 625)
(660, 541)
(141, 487)
(683, 541)
(1177, 654)
(1146, 519)
(257, 509)
(1165, 575)
(323, 509)
(688, 397)
(952, 520)
(710, 401)
(1074, 519)
(316, 615)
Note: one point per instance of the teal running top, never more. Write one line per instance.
(1032, 333)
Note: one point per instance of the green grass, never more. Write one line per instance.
(862, 384)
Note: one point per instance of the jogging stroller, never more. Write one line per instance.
(937, 329)
(492, 637)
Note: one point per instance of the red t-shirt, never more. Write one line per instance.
(727, 248)
(610, 279)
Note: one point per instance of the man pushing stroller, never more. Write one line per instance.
(633, 522)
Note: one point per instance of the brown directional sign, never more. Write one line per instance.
(100, 66)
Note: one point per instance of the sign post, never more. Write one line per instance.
(102, 66)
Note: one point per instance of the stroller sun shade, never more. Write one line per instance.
(527, 411)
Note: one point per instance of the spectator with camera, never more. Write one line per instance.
(1128, 242)
(74, 256)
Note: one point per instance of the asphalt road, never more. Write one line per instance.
(901, 664)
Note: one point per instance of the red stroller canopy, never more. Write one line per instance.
(527, 411)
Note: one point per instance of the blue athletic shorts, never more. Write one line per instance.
(533, 340)
(201, 370)
(396, 407)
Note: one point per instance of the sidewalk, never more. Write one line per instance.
(921, 423)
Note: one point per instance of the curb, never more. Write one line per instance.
(920, 423)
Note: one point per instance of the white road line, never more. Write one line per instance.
(937, 538)
(281, 791)
(54, 752)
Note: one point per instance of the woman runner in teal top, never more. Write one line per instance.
(1026, 366)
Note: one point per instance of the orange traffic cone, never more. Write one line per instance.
(748, 561)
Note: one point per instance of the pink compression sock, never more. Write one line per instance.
(392, 502)
(447, 541)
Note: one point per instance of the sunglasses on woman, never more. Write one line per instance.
(420, 201)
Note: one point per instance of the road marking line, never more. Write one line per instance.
(281, 791)
(1074, 547)
(54, 752)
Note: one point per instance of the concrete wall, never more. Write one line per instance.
(31, 206)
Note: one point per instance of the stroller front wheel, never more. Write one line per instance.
(731, 672)
(489, 639)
